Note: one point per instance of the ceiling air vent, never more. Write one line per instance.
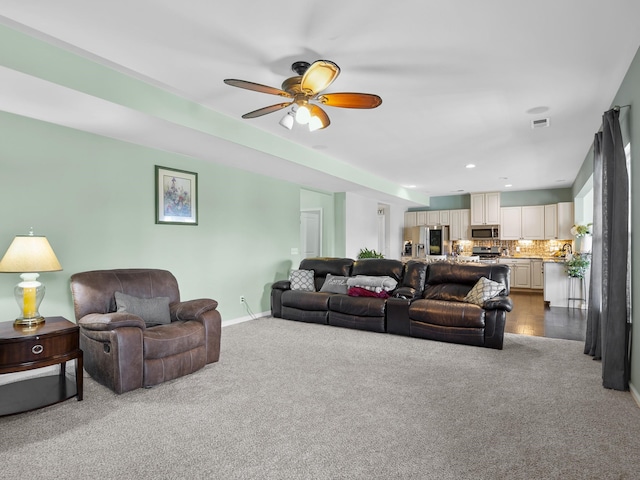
(541, 123)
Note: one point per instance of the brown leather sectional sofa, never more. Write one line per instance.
(428, 301)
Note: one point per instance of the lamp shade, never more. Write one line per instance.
(29, 253)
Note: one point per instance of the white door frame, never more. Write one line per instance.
(318, 213)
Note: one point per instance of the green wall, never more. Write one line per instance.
(93, 197)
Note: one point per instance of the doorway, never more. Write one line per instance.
(311, 232)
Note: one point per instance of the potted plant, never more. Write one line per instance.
(577, 266)
(583, 233)
(366, 253)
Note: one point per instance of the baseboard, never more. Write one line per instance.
(234, 321)
(634, 394)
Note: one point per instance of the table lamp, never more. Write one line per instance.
(29, 254)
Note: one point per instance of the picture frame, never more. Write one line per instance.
(176, 196)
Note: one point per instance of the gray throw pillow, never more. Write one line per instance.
(335, 284)
(483, 290)
(154, 311)
(302, 280)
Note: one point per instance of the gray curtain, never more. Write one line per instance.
(608, 323)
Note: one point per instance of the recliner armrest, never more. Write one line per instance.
(110, 321)
(282, 285)
(500, 302)
(191, 309)
(408, 293)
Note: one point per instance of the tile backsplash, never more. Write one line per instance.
(523, 248)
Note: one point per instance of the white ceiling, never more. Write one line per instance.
(461, 81)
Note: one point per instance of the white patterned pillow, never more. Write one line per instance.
(483, 290)
(302, 280)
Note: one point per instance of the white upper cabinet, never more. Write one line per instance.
(421, 218)
(433, 217)
(511, 223)
(460, 224)
(410, 219)
(485, 208)
(551, 222)
(533, 222)
(558, 220)
(565, 220)
(445, 217)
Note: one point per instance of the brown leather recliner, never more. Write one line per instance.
(120, 350)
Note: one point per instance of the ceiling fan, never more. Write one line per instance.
(305, 91)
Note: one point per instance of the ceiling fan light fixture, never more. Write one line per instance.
(318, 120)
(303, 115)
(287, 121)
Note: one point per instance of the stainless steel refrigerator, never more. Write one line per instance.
(427, 240)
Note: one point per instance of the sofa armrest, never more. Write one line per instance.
(191, 309)
(282, 285)
(110, 321)
(500, 302)
(407, 293)
(398, 316)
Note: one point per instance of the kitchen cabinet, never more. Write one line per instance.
(421, 218)
(460, 222)
(551, 222)
(558, 220)
(565, 220)
(485, 208)
(537, 278)
(533, 222)
(520, 276)
(522, 223)
(433, 217)
(511, 223)
(445, 217)
(410, 219)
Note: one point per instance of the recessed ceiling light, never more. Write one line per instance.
(409, 186)
(508, 185)
(470, 165)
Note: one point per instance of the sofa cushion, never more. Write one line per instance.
(447, 313)
(483, 290)
(335, 284)
(178, 337)
(302, 280)
(378, 267)
(322, 266)
(358, 306)
(303, 300)
(154, 311)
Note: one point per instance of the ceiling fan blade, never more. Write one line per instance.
(319, 119)
(350, 100)
(266, 110)
(256, 87)
(319, 76)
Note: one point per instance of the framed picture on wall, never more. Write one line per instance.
(176, 196)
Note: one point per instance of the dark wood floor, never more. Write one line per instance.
(530, 316)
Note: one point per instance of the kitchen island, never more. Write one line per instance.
(560, 290)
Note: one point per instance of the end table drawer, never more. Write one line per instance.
(39, 348)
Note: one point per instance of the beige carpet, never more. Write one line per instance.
(290, 400)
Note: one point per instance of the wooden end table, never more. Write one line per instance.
(56, 341)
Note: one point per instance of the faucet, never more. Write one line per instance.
(567, 247)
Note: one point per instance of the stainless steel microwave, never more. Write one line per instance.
(484, 233)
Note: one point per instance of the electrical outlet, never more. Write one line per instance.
(242, 300)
